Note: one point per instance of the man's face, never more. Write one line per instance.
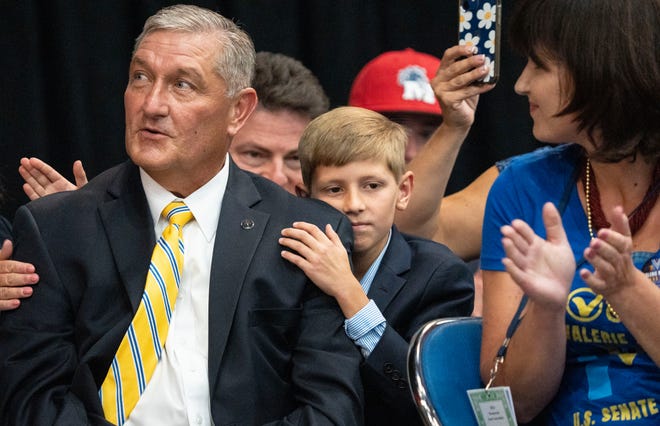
(368, 193)
(419, 127)
(179, 121)
(268, 145)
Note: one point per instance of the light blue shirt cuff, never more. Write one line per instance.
(366, 328)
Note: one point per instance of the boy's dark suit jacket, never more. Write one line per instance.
(277, 348)
(418, 280)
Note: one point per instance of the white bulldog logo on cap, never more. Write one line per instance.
(416, 85)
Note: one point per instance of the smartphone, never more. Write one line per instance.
(479, 23)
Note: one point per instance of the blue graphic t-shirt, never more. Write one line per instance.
(608, 379)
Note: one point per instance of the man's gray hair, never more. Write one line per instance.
(235, 58)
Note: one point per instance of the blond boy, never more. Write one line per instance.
(353, 159)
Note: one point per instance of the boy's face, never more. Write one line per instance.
(368, 193)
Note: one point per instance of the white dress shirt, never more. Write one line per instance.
(178, 392)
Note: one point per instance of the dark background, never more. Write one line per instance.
(64, 70)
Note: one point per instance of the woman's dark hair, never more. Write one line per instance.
(611, 52)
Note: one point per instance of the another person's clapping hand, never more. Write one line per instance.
(41, 179)
(610, 254)
(15, 279)
(543, 269)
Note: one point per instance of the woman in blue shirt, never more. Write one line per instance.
(577, 228)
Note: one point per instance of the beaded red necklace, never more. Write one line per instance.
(595, 215)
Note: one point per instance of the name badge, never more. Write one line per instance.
(493, 407)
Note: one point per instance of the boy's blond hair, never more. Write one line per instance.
(347, 134)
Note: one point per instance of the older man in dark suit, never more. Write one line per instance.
(248, 338)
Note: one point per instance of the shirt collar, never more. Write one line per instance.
(204, 203)
(368, 277)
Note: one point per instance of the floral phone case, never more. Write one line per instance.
(479, 23)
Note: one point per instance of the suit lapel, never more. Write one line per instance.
(240, 230)
(388, 280)
(129, 229)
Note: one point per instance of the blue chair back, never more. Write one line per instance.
(443, 363)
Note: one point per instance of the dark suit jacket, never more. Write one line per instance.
(418, 281)
(277, 348)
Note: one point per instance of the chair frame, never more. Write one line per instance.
(416, 380)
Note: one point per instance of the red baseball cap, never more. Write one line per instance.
(397, 81)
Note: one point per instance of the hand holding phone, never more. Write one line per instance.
(479, 23)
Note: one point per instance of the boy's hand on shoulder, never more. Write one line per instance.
(320, 255)
(323, 258)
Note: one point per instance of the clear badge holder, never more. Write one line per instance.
(493, 406)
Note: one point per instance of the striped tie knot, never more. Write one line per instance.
(177, 213)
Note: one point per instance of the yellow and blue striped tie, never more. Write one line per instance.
(140, 349)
